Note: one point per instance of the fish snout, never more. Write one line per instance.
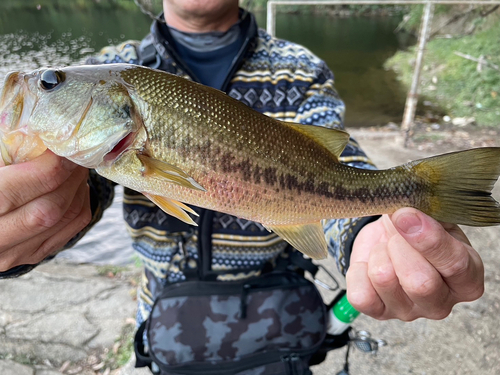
(16, 104)
(10, 102)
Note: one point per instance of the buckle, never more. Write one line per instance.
(324, 285)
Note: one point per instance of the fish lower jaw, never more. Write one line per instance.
(119, 148)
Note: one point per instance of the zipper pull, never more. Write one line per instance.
(243, 303)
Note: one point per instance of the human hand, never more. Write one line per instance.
(410, 266)
(43, 204)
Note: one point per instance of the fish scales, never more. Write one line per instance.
(245, 159)
(179, 142)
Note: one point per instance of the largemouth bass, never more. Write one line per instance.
(180, 142)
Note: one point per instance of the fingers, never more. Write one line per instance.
(21, 183)
(47, 243)
(447, 250)
(76, 218)
(416, 268)
(40, 214)
(427, 292)
(360, 292)
(375, 289)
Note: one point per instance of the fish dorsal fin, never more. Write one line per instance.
(174, 208)
(334, 140)
(171, 173)
(307, 238)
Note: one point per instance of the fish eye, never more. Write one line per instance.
(51, 78)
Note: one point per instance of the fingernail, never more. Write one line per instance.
(409, 223)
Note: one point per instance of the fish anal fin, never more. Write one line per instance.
(334, 140)
(171, 173)
(185, 207)
(307, 238)
(172, 207)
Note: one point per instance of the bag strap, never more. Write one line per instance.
(148, 55)
(142, 359)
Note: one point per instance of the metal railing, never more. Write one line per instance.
(412, 97)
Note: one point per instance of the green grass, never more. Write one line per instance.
(460, 89)
(428, 137)
(110, 270)
(122, 350)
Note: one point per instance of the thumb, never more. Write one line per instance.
(427, 236)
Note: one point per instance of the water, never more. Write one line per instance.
(355, 49)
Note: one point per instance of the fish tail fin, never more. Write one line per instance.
(461, 184)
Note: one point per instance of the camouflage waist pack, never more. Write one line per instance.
(271, 324)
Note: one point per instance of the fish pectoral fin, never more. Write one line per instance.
(169, 172)
(307, 238)
(174, 208)
(334, 140)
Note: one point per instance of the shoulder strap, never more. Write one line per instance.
(148, 55)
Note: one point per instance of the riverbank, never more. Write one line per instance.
(461, 72)
(67, 318)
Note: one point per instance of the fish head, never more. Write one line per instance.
(82, 113)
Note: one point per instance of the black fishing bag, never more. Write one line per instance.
(272, 324)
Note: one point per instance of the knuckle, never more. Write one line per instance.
(72, 213)
(84, 218)
(7, 264)
(472, 293)
(382, 276)
(477, 292)
(46, 248)
(421, 285)
(442, 314)
(50, 179)
(439, 314)
(79, 210)
(43, 214)
(457, 266)
(364, 303)
(433, 243)
(6, 203)
(408, 316)
(358, 300)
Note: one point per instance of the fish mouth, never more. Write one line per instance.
(16, 105)
(119, 148)
(98, 155)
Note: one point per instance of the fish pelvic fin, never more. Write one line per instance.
(174, 208)
(307, 238)
(461, 184)
(169, 172)
(334, 140)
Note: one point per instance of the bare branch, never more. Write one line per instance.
(480, 60)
